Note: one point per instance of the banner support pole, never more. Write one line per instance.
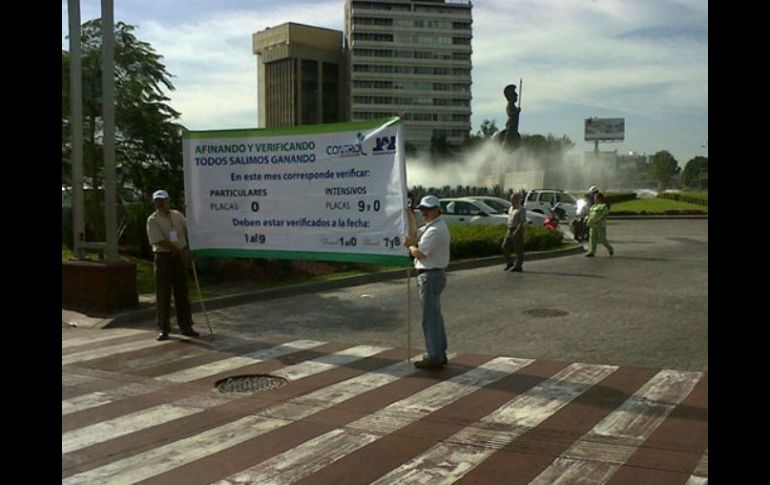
(409, 315)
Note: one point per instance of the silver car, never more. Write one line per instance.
(502, 206)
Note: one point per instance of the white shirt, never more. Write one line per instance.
(434, 243)
(160, 226)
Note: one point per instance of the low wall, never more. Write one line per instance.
(96, 287)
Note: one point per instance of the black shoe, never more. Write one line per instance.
(190, 333)
(590, 255)
(426, 363)
(518, 270)
(508, 266)
(612, 253)
(162, 336)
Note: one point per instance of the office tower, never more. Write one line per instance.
(300, 75)
(411, 58)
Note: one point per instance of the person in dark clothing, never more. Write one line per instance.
(167, 232)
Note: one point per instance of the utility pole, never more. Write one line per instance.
(76, 127)
(111, 284)
(108, 107)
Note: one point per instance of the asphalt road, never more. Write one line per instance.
(647, 306)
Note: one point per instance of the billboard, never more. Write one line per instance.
(332, 192)
(598, 129)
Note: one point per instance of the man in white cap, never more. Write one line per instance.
(167, 232)
(430, 248)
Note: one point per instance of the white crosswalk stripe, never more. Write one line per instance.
(350, 384)
(610, 443)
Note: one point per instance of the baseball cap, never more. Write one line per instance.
(428, 202)
(160, 194)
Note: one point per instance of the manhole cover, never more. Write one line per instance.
(250, 384)
(545, 313)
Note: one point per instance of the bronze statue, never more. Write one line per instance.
(510, 136)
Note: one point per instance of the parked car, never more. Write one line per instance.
(497, 203)
(541, 200)
(502, 206)
(469, 210)
(464, 210)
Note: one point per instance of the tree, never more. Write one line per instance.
(549, 150)
(696, 173)
(663, 167)
(440, 148)
(148, 139)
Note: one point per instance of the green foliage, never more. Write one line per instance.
(440, 148)
(549, 150)
(418, 191)
(134, 237)
(148, 139)
(663, 167)
(614, 198)
(656, 206)
(469, 241)
(699, 198)
(696, 173)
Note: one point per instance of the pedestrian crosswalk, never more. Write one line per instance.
(137, 410)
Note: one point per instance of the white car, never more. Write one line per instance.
(498, 203)
(465, 210)
(502, 206)
(468, 210)
(542, 200)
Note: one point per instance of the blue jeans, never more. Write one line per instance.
(430, 284)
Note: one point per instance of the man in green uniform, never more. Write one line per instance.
(598, 226)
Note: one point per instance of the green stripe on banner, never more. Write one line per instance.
(304, 255)
(304, 129)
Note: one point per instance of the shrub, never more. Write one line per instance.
(699, 198)
(614, 198)
(470, 241)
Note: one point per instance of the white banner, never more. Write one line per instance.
(333, 192)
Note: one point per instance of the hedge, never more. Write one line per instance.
(469, 241)
(685, 197)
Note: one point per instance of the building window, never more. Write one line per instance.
(331, 87)
(372, 37)
(310, 92)
(372, 21)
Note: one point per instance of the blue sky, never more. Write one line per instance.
(645, 61)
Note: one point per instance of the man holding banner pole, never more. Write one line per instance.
(167, 232)
(430, 248)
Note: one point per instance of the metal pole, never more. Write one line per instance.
(200, 296)
(76, 127)
(409, 315)
(108, 113)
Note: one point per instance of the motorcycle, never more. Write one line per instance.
(555, 214)
(579, 224)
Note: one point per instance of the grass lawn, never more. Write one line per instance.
(656, 206)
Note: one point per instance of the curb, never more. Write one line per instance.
(643, 217)
(137, 316)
